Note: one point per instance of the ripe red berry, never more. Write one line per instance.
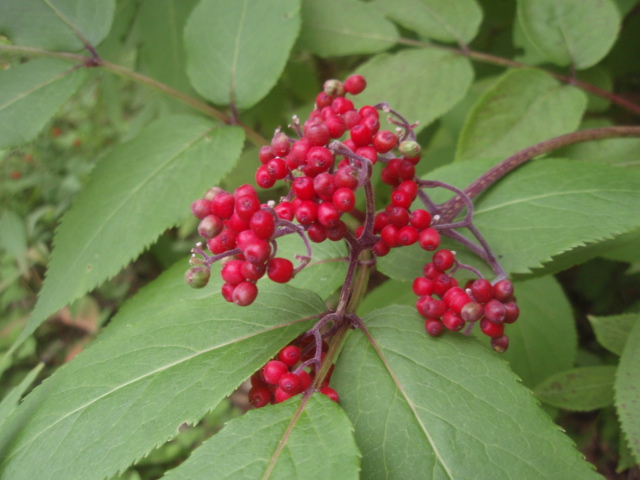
(253, 271)
(280, 144)
(495, 312)
(500, 344)
(277, 168)
(368, 110)
(337, 232)
(325, 186)
(472, 312)
(257, 252)
(305, 380)
(503, 290)
(273, 371)
(201, 208)
(328, 214)
(259, 396)
(361, 135)
(444, 259)
(429, 239)
(303, 188)
(482, 290)
(331, 393)
(442, 283)
(407, 235)
(232, 272)
(434, 327)
(323, 100)
(355, 84)
(381, 221)
(342, 105)
(384, 141)
(513, 312)
(280, 270)
(285, 210)
(263, 179)
(320, 158)
(227, 292)
(266, 154)
(210, 226)
(410, 187)
(369, 153)
(493, 330)
(281, 396)
(430, 307)
(422, 286)
(290, 355)
(307, 212)
(344, 199)
(223, 205)
(401, 198)
(317, 233)
(290, 383)
(317, 134)
(389, 235)
(453, 321)
(399, 216)
(245, 293)
(346, 177)
(263, 224)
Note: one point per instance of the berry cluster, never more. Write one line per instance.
(279, 380)
(493, 305)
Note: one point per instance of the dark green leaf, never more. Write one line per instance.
(421, 404)
(523, 108)
(612, 332)
(237, 50)
(578, 32)
(627, 391)
(580, 389)
(30, 94)
(436, 19)
(139, 190)
(170, 355)
(275, 442)
(12, 399)
(344, 27)
(421, 84)
(50, 24)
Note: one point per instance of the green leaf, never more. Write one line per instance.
(579, 389)
(161, 26)
(523, 108)
(344, 27)
(13, 237)
(50, 24)
(625, 6)
(390, 292)
(600, 78)
(421, 404)
(627, 393)
(421, 84)
(274, 442)
(578, 32)
(30, 94)
(440, 20)
(544, 340)
(139, 190)
(237, 50)
(169, 356)
(612, 331)
(12, 399)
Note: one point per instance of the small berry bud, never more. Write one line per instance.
(409, 148)
(334, 88)
(198, 276)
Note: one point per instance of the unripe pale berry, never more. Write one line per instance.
(198, 276)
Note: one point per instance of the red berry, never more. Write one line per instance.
(344, 199)
(277, 168)
(303, 188)
(246, 206)
(328, 214)
(345, 177)
(482, 290)
(252, 271)
(390, 235)
(472, 312)
(201, 208)
(263, 179)
(380, 249)
(355, 84)
(290, 355)
(361, 135)
(385, 141)
(317, 233)
(227, 292)
(369, 153)
(285, 210)
(210, 226)
(331, 393)
(429, 239)
(493, 330)
(372, 123)
(453, 321)
(408, 235)
(513, 312)
(381, 221)
(351, 119)
(402, 199)
(266, 154)
(444, 259)
(323, 100)
(257, 252)
(442, 284)
(434, 327)
(430, 307)
(245, 293)
(338, 232)
(273, 371)
(280, 270)
(399, 216)
(495, 312)
(305, 380)
(422, 286)
(500, 344)
(503, 290)
(325, 186)
(281, 395)
(410, 187)
(290, 383)
(320, 158)
(421, 219)
(223, 205)
(232, 272)
(259, 396)
(342, 105)
(263, 224)
(280, 144)
(368, 110)
(317, 134)
(307, 212)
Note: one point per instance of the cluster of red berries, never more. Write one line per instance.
(493, 305)
(240, 222)
(278, 381)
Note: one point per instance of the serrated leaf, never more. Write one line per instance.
(274, 442)
(48, 23)
(441, 20)
(523, 108)
(612, 331)
(236, 51)
(168, 357)
(579, 389)
(344, 27)
(140, 189)
(13, 236)
(578, 32)
(420, 404)
(627, 392)
(30, 93)
(163, 55)
(423, 84)
(11, 400)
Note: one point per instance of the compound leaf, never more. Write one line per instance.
(440, 20)
(578, 32)
(344, 27)
(50, 24)
(407, 79)
(140, 189)
(30, 94)
(169, 356)
(579, 389)
(236, 51)
(523, 108)
(627, 393)
(613, 331)
(274, 442)
(419, 403)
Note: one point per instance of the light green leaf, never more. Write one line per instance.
(580, 389)
(578, 32)
(390, 292)
(12, 399)
(170, 355)
(627, 392)
(13, 236)
(139, 190)
(544, 340)
(421, 404)
(523, 108)
(440, 20)
(237, 50)
(163, 55)
(344, 27)
(30, 94)
(274, 442)
(421, 84)
(50, 24)
(612, 331)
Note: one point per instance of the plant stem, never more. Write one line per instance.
(450, 209)
(506, 62)
(127, 73)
